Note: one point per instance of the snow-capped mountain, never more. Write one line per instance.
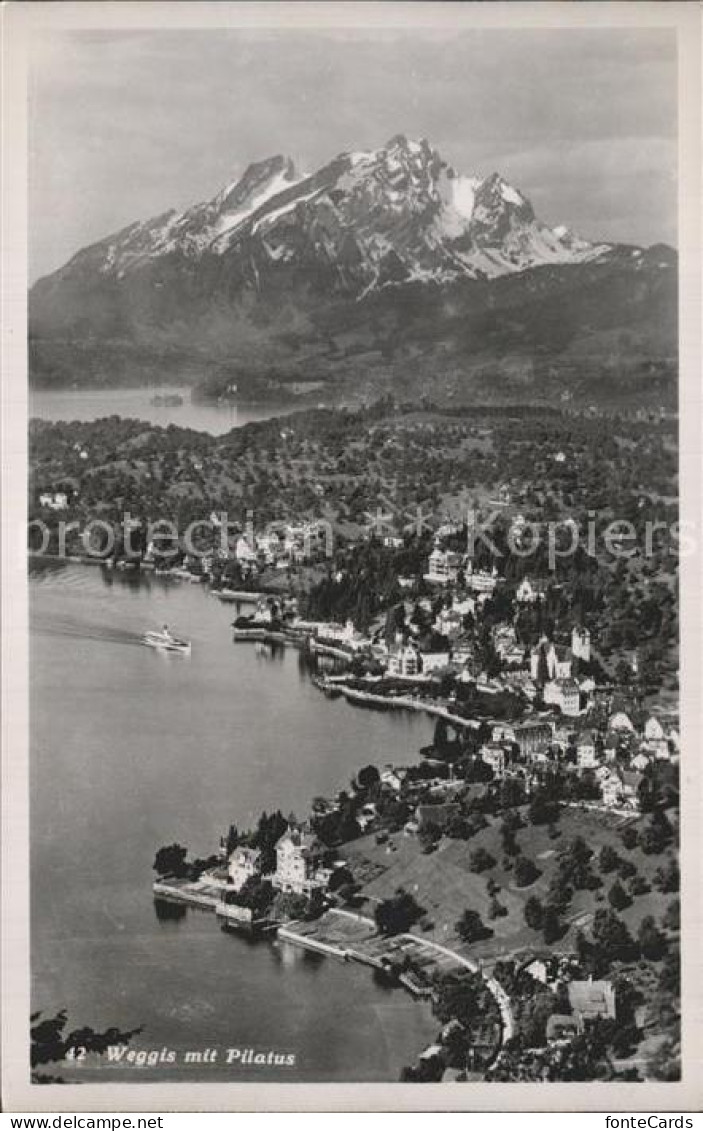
(389, 215)
(385, 268)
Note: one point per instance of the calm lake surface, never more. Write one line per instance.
(92, 404)
(131, 749)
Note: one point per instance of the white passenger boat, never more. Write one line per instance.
(166, 641)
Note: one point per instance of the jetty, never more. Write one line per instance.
(335, 686)
(245, 596)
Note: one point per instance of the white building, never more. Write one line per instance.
(481, 580)
(345, 634)
(493, 754)
(502, 732)
(528, 593)
(242, 865)
(443, 566)
(404, 661)
(621, 722)
(640, 761)
(244, 550)
(463, 606)
(448, 622)
(58, 501)
(434, 661)
(299, 856)
(263, 613)
(564, 694)
(270, 547)
(308, 540)
(581, 643)
(586, 757)
(610, 787)
(462, 653)
(393, 777)
(653, 730)
(558, 660)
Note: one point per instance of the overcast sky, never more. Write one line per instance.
(126, 125)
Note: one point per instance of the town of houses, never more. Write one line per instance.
(568, 718)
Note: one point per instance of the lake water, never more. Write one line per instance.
(131, 749)
(92, 404)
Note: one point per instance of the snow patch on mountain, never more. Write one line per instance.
(227, 221)
(464, 195)
(270, 218)
(510, 196)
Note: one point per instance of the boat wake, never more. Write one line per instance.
(105, 633)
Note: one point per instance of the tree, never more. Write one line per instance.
(654, 838)
(653, 943)
(458, 828)
(510, 844)
(396, 915)
(441, 737)
(618, 897)
(542, 810)
(672, 916)
(470, 927)
(257, 895)
(639, 886)
(611, 936)
(526, 871)
(458, 997)
(535, 1013)
(542, 667)
(583, 948)
(574, 863)
(340, 877)
(629, 837)
(480, 860)
(665, 1062)
(269, 831)
(171, 861)
(512, 821)
(430, 834)
(512, 794)
(290, 905)
(368, 778)
(533, 912)
(50, 1043)
(608, 859)
(670, 974)
(667, 877)
(559, 893)
(232, 840)
(552, 928)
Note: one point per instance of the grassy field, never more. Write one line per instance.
(443, 883)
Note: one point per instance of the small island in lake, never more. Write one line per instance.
(166, 400)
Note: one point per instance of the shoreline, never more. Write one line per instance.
(369, 949)
(400, 703)
(265, 635)
(207, 901)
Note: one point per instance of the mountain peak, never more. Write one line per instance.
(256, 175)
(401, 141)
(366, 220)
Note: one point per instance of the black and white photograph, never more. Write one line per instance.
(352, 551)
